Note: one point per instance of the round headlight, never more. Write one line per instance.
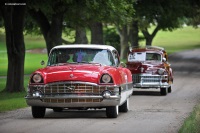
(106, 78)
(37, 78)
(161, 71)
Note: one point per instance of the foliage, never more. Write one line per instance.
(111, 37)
(81, 13)
(193, 15)
(164, 13)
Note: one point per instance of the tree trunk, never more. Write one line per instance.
(149, 37)
(149, 40)
(96, 33)
(52, 33)
(14, 22)
(81, 37)
(134, 34)
(123, 33)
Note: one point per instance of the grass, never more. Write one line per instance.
(192, 123)
(32, 62)
(11, 101)
(178, 40)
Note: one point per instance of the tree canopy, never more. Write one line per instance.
(51, 18)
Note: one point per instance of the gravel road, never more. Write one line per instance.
(149, 111)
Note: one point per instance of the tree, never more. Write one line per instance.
(193, 14)
(124, 38)
(49, 16)
(96, 33)
(13, 17)
(162, 14)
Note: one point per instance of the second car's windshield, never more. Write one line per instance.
(143, 56)
(81, 55)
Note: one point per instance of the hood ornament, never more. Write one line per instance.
(141, 69)
(71, 75)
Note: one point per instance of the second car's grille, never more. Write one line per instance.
(146, 79)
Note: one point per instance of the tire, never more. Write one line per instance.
(163, 91)
(112, 112)
(38, 112)
(170, 89)
(124, 107)
(57, 109)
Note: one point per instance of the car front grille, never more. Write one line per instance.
(71, 100)
(53, 91)
(146, 79)
(64, 88)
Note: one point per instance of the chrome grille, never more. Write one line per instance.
(73, 88)
(56, 92)
(146, 79)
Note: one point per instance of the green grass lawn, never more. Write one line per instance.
(178, 40)
(32, 62)
(192, 123)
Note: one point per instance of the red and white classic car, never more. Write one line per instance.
(81, 77)
(150, 69)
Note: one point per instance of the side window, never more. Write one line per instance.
(116, 58)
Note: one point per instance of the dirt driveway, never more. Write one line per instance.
(149, 112)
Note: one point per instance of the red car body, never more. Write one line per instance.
(150, 69)
(80, 77)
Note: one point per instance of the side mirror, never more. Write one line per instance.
(122, 64)
(164, 60)
(42, 62)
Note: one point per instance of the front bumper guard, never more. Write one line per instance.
(39, 101)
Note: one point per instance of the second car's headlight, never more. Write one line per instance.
(37, 78)
(161, 71)
(106, 78)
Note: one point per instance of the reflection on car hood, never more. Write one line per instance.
(144, 67)
(80, 72)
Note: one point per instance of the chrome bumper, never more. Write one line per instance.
(73, 101)
(150, 81)
(82, 95)
(151, 85)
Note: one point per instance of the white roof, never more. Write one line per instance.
(92, 46)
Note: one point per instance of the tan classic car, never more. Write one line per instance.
(150, 69)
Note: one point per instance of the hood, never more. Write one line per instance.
(78, 72)
(144, 67)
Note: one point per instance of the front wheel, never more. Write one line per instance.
(38, 112)
(163, 91)
(170, 89)
(112, 112)
(124, 107)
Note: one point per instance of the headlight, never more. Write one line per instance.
(37, 78)
(161, 71)
(106, 79)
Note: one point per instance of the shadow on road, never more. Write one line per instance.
(67, 113)
(185, 62)
(146, 93)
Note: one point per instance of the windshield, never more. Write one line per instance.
(143, 56)
(81, 55)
